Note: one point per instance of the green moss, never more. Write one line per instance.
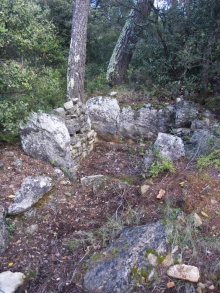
(159, 105)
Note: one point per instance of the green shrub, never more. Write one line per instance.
(11, 114)
(212, 159)
(161, 165)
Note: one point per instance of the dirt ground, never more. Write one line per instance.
(52, 242)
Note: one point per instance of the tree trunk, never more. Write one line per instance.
(77, 53)
(127, 41)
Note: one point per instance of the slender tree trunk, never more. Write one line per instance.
(77, 53)
(127, 41)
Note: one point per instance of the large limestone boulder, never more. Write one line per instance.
(145, 122)
(31, 191)
(4, 239)
(169, 146)
(104, 114)
(9, 281)
(110, 122)
(128, 257)
(46, 137)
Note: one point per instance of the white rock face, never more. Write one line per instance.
(184, 272)
(111, 123)
(46, 137)
(104, 114)
(9, 281)
(170, 146)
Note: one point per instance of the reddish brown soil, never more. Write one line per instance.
(48, 256)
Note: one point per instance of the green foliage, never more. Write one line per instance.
(11, 114)
(179, 50)
(212, 159)
(162, 164)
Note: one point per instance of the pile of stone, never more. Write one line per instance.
(78, 123)
(63, 137)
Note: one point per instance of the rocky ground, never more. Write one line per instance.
(51, 243)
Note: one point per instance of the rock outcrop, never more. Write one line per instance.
(111, 123)
(122, 263)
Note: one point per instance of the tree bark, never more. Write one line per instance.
(77, 52)
(125, 46)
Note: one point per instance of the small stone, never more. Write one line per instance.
(113, 94)
(199, 290)
(32, 228)
(1, 165)
(67, 193)
(213, 201)
(75, 100)
(11, 281)
(204, 214)
(9, 154)
(170, 284)
(197, 220)
(184, 272)
(66, 182)
(58, 174)
(68, 105)
(201, 285)
(144, 188)
(17, 162)
(211, 287)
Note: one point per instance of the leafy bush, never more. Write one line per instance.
(161, 165)
(212, 159)
(11, 114)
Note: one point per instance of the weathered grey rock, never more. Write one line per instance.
(110, 123)
(32, 189)
(184, 272)
(204, 142)
(113, 273)
(169, 146)
(1, 165)
(185, 113)
(104, 114)
(9, 281)
(59, 112)
(4, 237)
(46, 137)
(145, 122)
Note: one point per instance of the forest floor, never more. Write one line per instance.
(52, 242)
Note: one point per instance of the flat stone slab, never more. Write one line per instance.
(184, 272)
(31, 191)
